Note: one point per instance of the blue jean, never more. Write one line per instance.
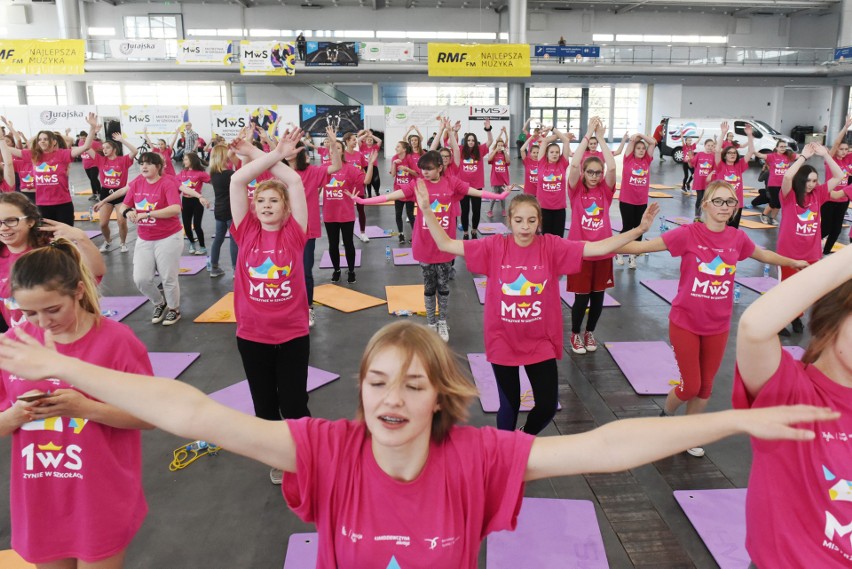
(221, 230)
(308, 261)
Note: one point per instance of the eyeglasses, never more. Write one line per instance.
(11, 222)
(594, 173)
(730, 202)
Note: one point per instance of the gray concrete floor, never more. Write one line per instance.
(222, 512)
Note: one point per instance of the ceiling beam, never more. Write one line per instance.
(243, 3)
(632, 7)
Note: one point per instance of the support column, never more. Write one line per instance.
(516, 91)
(840, 93)
(68, 17)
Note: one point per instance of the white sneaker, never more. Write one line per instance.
(311, 318)
(276, 476)
(104, 247)
(696, 451)
(631, 262)
(619, 259)
(443, 330)
(363, 237)
(123, 248)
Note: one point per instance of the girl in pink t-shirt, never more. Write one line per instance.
(550, 191)
(353, 156)
(193, 203)
(368, 143)
(700, 319)
(688, 149)
(703, 164)
(499, 161)
(593, 150)
(635, 185)
(529, 158)
(76, 463)
(797, 506)
(833, 211)
(402, 174)
(730, 167)
(777, 162)
(523, 310)
(472, 173)
(164, 149)
(114, 171)
(362, 481)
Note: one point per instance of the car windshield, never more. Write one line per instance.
(768, 128)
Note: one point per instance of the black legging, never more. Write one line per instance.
(761, 199)
(362, 217)
(334, 229)
(94, 177)
(631, 216)
(375, 183)
(832, 222)
(544, 380)
(553, 222)
(398, 206)
(688, 172)
(735, 219)
(64, 212)
(468, 203)
(594, 302)
(277, 377)
(192, 211)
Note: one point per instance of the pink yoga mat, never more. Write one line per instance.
(551, 534)
(486, 383)
(479, 283)
(650, 367)
(302, 551)
(495, 228)
(192, 264)
(237, 396)
(171, 364)
(376, 232)
(325, 262)
(92, 233)
(568, 297)
(719, 518)
(757, 284)
(403, 256)
(665, 289)
(118, 307)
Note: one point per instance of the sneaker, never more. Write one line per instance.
(433, 327)
(123, 248)
(312, 319)
(94, 198)
(172, 316)
(452, 273)
(590, 342)
(619, 260)
(104, 247)
(465, 237)
(192, 248)
(684, 191)
(798, 327)
(473, 234)
(401, 239)
(443, 330)
(577, 345)
(335, 276)
(363, 237)
(631, 262)
(159, 313)
(764, 219)
(216, 272)
(696, 451)
(276, 476)
(773, 221)
(201, 251)
(350, 277)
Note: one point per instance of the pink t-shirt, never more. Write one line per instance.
(168, 165)
(313, 177)
(143, 197)
(530, 176)
(443, 194)
(413, 159)
(588, 154)
(252, 186)
(778, 165)
(471, 485)
(590, 214)
(704, 164)
(797, 506)
(193, 180)
(635, 179)
(368, 149)
(270, 299)
(337, 206)
(8, 307)
(733, 174)
(471, 170)
(88, 161)
(499, 170)
(845, 164)
(24, 168)
(705, 292)
(356, 159)
(322, 152)
(687, 148)
(799, 235)
(76, 485)
(113, 173)
(401, 177)
(4, 187)
(523, 310)
(551, 183)
(51, 176)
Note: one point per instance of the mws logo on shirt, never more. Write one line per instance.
(551, 182)
(639, 176)
(840, 491)
(51, 460)
(44, 175)
(713, 287)
(523, 311)
(334, 188)
(807, 223)
(592, 218)
(267, 272)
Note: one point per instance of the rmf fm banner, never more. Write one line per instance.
(42, 57)
(228, 120)
(267, 58)
(479, 60)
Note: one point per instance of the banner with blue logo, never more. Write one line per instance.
(331, 54)
(843, 53)
(342, 118)
(567, 51)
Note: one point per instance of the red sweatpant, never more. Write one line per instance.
(698, 358)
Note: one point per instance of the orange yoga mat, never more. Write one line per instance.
(751, 213)
(406, 297)
(754, 224)
(221, 311)
(84, 216)
(658, 195)
(837, 247)
(11, 560)
(661, 187)
(344, 299)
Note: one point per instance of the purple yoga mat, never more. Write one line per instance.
(171, 364)
(91, 233)
(403, 256)
(325, 262)
(376, 232)
(302, 551)
(192, 264)
(486, 383)
(650, 367)
(118, 307)
(568, 297)
(757, 284)
(237, 396)
(479, 283)
(719, 518)
(795, 351)
(495, 228)
(666, 289)
(551, 534)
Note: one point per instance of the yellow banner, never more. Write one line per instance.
(479, 60)
(42, 57)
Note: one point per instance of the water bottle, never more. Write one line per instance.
(766, 271)
(71, 188)
(387, 254)
(738, 292)
(209, 264)
(91, 213)
(663, 225)
(197, 446)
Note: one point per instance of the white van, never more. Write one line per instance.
(675, 129)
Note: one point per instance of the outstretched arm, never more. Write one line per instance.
(619, 240)
(442, 240)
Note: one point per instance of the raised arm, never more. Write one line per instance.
(837, 175)
(117, 136)
(574, 172)
(92, 119)
(723, 130)
(174, 139)
(565, 138)
(758, 346)
(489, 136)
(620, 149)
(242, 177)
(8, 165)
(147, 139)
(526, 128)
(841, 136)
(750, 151)
(442, 240)
(609, 159)
(787, 181)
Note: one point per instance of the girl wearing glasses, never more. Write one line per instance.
(730, 167)
(700, 318)
(635, 184)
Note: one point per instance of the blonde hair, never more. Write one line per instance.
(712, 189)
(455, 390)
(219, 159)
(279, 188)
